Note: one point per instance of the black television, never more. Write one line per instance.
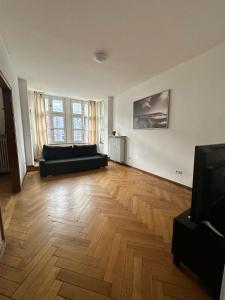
(208, 180)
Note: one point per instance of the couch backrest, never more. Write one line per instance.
(84, 150)
(54, 152)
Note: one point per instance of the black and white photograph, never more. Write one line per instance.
(152, 112)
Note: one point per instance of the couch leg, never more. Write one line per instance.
(176, 261)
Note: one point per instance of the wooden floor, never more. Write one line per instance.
(96, 235)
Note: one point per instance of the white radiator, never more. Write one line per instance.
(4, 161)
(117, 148)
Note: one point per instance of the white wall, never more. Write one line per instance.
(26, 121)
(108, 123)
(110, 115)
(32, 121)
(2, 114)
(7, 70)
(197, 116)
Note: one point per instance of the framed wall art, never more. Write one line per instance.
(152, 112)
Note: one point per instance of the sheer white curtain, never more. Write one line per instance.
(40, 123)
(92, 122)
(100, 122)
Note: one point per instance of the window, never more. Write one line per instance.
(76, 108)
(79, 121)
(67, 120)
(55, 120)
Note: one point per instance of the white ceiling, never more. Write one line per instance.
(51, 42)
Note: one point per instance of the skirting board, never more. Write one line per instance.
(157, 176)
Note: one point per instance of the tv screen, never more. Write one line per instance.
(208, 180)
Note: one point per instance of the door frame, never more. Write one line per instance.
(10, 130)
(2, 242)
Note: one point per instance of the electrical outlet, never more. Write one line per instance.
(179, 172)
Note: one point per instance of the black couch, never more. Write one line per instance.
(57, 160)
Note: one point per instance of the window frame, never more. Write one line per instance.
(51, 114)
(68, 120)
(82, 116)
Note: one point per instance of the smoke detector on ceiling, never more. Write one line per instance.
(100, 56)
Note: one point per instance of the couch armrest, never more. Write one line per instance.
(42, 161)
(103, 154)
(42, 167)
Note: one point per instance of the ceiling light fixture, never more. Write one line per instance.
(100, 56)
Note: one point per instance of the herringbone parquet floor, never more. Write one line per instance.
(98, 235)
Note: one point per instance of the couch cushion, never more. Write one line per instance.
(54, 152)
(68, 165)
(84, 150)
(74, 159)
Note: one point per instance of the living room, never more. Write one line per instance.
(102, 105)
